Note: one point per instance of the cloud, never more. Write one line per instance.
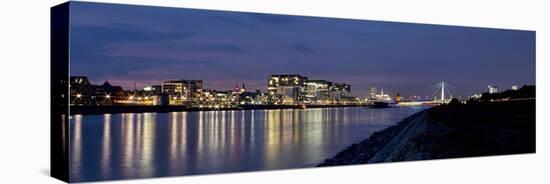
(117, 32)
(90, 41)
(173, 50)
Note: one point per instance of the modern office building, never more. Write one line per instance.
(152, 90)
(253, 98)
(186, 89)
(293, 89)
(339, 90)
(284, 86)
(316, 90)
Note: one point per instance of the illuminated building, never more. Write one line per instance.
(282, 90)
(238, 90)
(243, 89)
(297, 89)
(161, 99)
(316, 91)
(107, 94)
(152, 90)
(475, 96)
(211, 98)
(515, 87)
(84, 93)
(253, 98)
(81, 91)
(339, 90)
(181, 91)
(283, 86)
(492, 89)
(173, 87)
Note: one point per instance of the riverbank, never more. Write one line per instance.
(90, 110)
(449, 131)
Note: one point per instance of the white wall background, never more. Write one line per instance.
(24, 81)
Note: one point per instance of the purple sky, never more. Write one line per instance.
(145, 45)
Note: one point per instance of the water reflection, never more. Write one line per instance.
(106, 149)
(139, 145)
(76, 142)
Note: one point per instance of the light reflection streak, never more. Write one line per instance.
(270, 131)
(106, 146)
(65, 143)
(213, 127)
(222, 131)
(233, 129)
(200, 132)
(128, 144)
(183, 132)
(76, 144)
(148, 139)
(252, 129)
(244, 123)
(173, 126)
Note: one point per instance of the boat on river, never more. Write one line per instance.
(381, 101)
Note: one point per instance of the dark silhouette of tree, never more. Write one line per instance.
(454, 102)
(527, 91)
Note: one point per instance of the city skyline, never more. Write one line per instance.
(129, 45)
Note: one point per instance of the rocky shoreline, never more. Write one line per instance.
(449, 131)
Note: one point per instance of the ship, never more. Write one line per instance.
(382, 104)
(380, 100)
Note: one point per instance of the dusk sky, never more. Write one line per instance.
(144, 45)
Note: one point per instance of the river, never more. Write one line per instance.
(139, 145)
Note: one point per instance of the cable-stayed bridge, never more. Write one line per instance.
(442, 93)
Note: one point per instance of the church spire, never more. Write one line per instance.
(243, 89)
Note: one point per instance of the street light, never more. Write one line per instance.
(107, 96)
(78, 95)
